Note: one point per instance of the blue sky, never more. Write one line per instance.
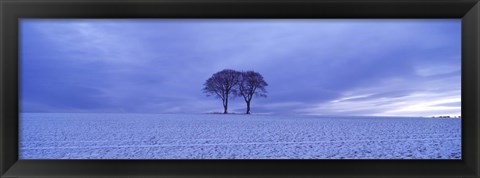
(325, 67)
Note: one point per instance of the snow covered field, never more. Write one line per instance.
(209, 136)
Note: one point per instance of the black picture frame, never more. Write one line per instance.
(13, 10)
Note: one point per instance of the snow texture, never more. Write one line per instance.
(216, 136)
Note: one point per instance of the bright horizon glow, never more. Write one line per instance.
(314, 67)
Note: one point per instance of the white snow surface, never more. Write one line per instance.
(216, 136)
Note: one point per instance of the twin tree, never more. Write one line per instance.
(229, 82)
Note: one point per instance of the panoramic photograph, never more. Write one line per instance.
(240, 89)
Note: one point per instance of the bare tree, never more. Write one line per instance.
(251, 83)
(222, 84)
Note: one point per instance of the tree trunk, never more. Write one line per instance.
(225, 106)
(248, 107)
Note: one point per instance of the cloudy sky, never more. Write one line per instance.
(325, 67)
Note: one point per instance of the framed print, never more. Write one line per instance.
(239, 88)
